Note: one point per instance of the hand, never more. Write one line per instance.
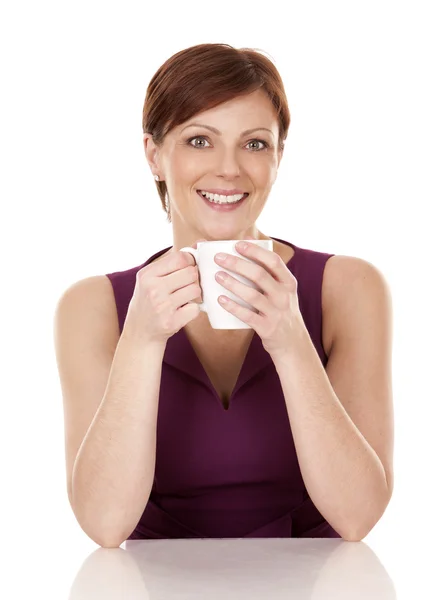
(279, 320)
(163, 298)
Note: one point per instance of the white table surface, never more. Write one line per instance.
(211, 569)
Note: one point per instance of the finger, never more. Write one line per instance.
(255, 272)
(246, 315)
(247, 293)
(271, 261)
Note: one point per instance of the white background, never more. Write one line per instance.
(360, 177)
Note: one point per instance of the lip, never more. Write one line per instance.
(223, 192)
(222, 207)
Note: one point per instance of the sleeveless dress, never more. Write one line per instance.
(229, 473)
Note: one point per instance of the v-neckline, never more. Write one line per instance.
(251, 347)
(252, 342)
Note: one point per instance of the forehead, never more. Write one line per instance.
(248, 104)
(254, 110)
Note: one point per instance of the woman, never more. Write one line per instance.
(176, 430)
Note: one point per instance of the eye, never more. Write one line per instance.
(198, 137)
(265, 144)
(201, 137)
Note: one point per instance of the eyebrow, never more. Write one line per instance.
(214, 130)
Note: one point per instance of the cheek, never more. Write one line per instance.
(184, 167)
(263, 172)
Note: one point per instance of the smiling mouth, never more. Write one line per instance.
(224, 203)
(223, 207)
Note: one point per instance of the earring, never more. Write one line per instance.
(156, 177)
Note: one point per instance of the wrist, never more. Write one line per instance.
(298, 346)
(140, 341)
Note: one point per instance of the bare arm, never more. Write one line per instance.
(110, 385)
(342, 416)
(114, 468)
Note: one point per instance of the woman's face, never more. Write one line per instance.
(195, 158)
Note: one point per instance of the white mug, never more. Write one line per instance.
(219, 317)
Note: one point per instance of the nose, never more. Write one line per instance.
(228, 165)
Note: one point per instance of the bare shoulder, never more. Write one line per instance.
(345, 279)
(93, 299)
(97, 288)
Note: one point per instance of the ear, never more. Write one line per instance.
(151, 151)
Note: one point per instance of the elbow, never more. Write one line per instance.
(107, 529)
(108, 542)
(353, 537)
(355, 534)
(106, 538)
(358, 532)
(99, 531)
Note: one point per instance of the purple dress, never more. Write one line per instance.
(229, 473)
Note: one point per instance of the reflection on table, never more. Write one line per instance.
(314, 568)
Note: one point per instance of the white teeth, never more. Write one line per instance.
(220, 199)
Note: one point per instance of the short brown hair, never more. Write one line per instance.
(201, 77)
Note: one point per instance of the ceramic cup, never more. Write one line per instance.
(218, 316)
